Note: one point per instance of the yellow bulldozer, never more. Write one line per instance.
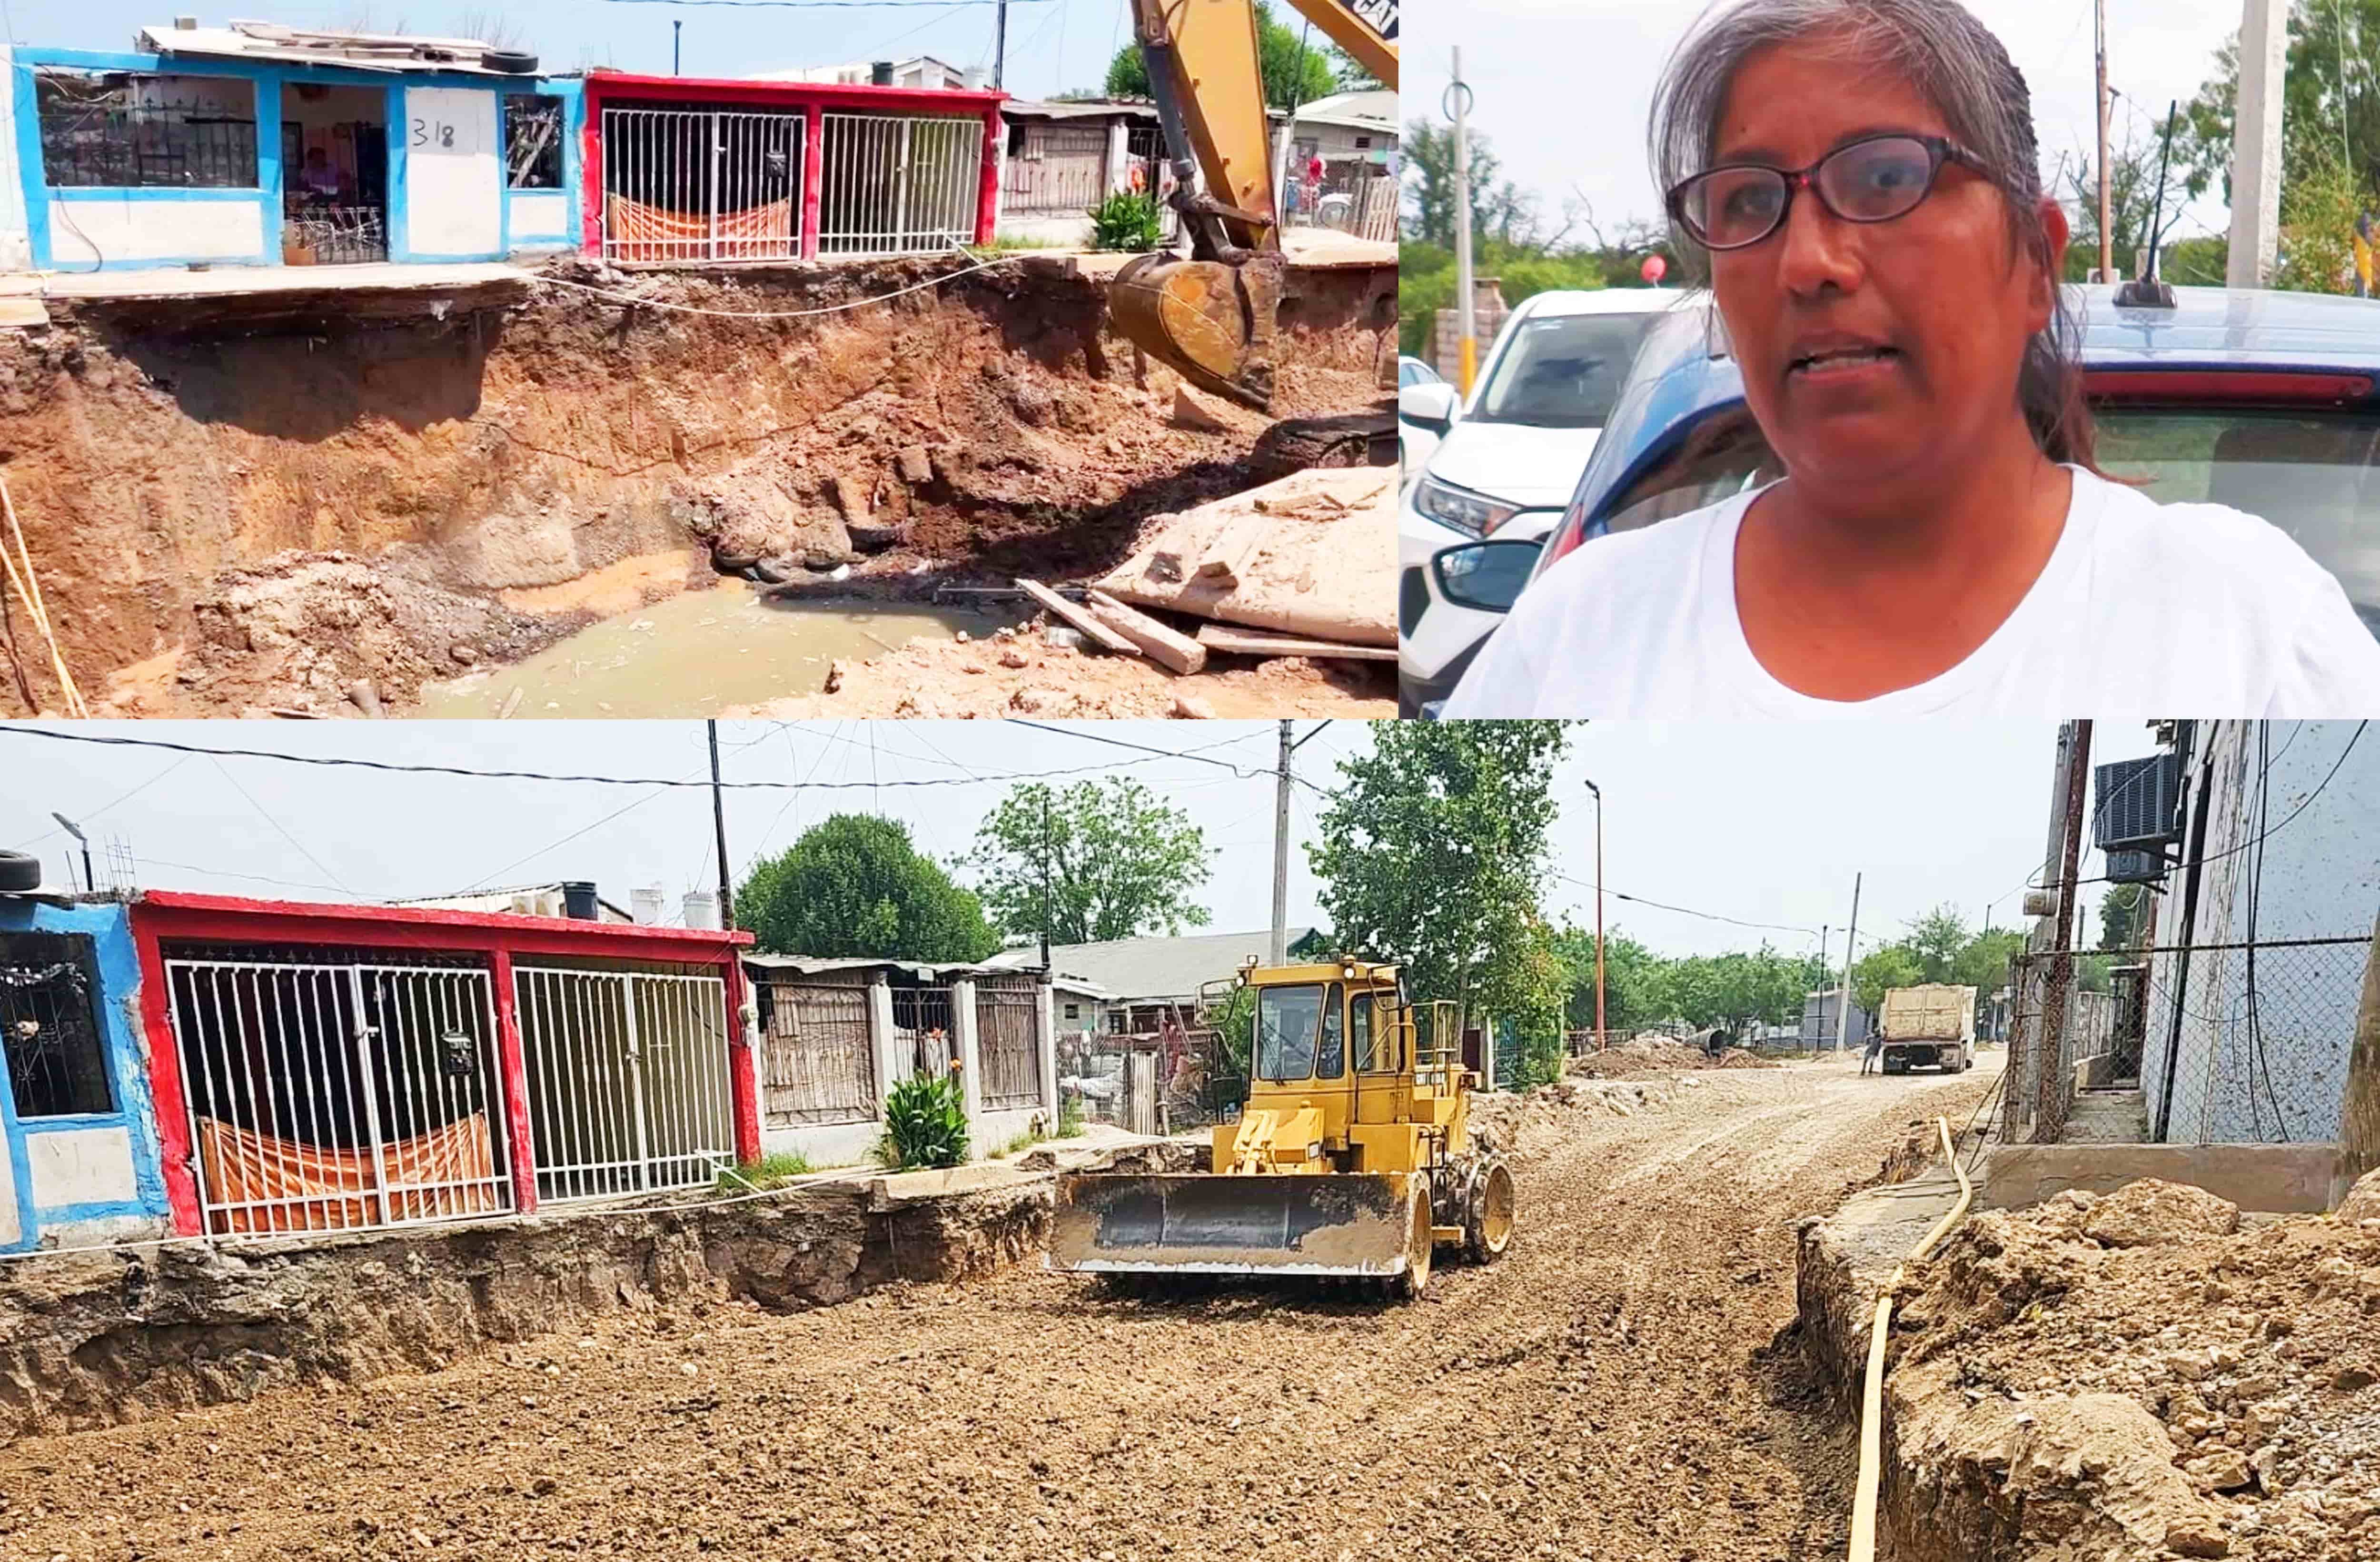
(1353, 1156)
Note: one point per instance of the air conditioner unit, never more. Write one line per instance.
(2138, 804)
(2135, 867)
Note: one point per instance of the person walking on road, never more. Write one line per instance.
(1873, 1059)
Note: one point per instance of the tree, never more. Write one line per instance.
(855, 885)
(1635, 982)
(1936, 939)
(1984, 963)
(1350, 73)
(2124, 916)
(1894, 965)
(1433, 851)
(1501, 211)
(1295, 72)
(1121, 862)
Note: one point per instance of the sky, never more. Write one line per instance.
(1524, 60)
(1053, 45)
(1761, 824)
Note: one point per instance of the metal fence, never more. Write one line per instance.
(1007, 1041)
(818, 1063)
(49, 1025)
(97, 136)
(326, 1096)
(923, 1037)
(2225, 1042)
(627, 1080)
(1055, 170)
(701, 185)
(1145, 149)
(333, 235)
(893, 184)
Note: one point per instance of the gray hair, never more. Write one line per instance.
(1961, 67)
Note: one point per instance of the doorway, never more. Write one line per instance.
(333, 174)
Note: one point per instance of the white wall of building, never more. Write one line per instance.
(453, 172)
(540, 216)
(81, 1167)
(83, 233)
(16, 235)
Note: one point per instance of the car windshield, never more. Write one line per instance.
(1287, 1018)
(1561, 370)
(2316, 475)
(1412, 371)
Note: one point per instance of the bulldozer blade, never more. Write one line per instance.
(1201, 1223)
(1211, 322)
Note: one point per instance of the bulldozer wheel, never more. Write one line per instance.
(1416, 1279)
(1488, 1223)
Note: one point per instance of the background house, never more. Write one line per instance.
(918, 70)
(1062, 159)
(1144, 979)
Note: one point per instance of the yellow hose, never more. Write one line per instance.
(1871, 1457)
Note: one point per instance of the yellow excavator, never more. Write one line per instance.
(1353, 1156)
(1211, 317)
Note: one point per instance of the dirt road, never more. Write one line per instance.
(1603, 1394)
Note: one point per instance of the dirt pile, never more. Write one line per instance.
(1651, 1052)
(2140, 1375)
(981, 428)
(1507, 1121)
(97, 1338)
(1025, 672)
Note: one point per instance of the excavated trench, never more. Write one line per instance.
(241, 508)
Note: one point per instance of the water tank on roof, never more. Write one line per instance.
(879, 74)
(645, 903)
(701, 908)
(579, 901)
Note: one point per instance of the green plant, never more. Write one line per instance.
(925, 1123)
(769, 1171)
(1126, 220)
(1070, 1118)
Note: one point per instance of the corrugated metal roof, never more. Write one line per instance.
(349, 51)
(1137, 970)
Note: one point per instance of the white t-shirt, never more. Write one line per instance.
(2143, 609)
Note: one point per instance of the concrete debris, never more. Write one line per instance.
(2148, 1212)
(2362, 1201)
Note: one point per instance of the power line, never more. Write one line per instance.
(1201, 755)
(391, 767)
(1685, 910)
(822, 5)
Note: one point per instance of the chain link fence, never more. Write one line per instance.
(2221, 1042)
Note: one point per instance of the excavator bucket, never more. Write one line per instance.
(1202, 1223)
(1211, 323)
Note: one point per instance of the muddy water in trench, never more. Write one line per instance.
(700, 651)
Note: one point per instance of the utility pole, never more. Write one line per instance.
(1465, 312)
(1000, 48)
(718, 830)
(677, 30)
(2106, 239)
(1843, 993)
(1280, 855)
(2049, 1061)
(1045, 878)
(2256, 144)
(1601, 1041)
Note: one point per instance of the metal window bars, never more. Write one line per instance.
(923, 1035)
(818, 1057)
(1055, 170)
(627, 1080)
(335, 1096)
(898, 185)
(682, 185)
(49, 1026)
(96, 135)
(1007, 1031)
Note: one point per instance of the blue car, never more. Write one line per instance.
(2268, 402)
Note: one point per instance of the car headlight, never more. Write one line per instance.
(1458, 508)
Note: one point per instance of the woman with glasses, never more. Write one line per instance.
(1861, 178)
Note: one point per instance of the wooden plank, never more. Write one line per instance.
(1078, 617)
(1168, 646)
(1264, 642)
(1226, 558)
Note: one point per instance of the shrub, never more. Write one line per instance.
(1126, 220)
(925, 1123)
(1070, 1118)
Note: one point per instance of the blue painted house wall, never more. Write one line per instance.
(117, 1004)
(269, 77)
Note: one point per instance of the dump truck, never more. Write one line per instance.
(1928, 1026)
(1353, 1156)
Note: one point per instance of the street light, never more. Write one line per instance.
(1600, 1042)
(73, 829)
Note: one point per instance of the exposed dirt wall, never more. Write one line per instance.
(98, 1339)
(186, 487)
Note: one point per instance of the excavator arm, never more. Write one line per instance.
(1211, 317)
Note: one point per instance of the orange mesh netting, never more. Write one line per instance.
(286, 1185)
(638, 232)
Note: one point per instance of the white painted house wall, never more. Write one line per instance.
(83, 233)
(16, 233)
(81, 1167)
(540, 216)
(453, 172)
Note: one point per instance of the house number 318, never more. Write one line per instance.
(426, 131)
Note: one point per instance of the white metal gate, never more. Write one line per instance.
(330, 1095)
(701, 185)
(627, 1080)
(892, 185)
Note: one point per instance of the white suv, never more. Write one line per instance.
(1507, 460)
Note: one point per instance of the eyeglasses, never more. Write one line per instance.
(1871, 180)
